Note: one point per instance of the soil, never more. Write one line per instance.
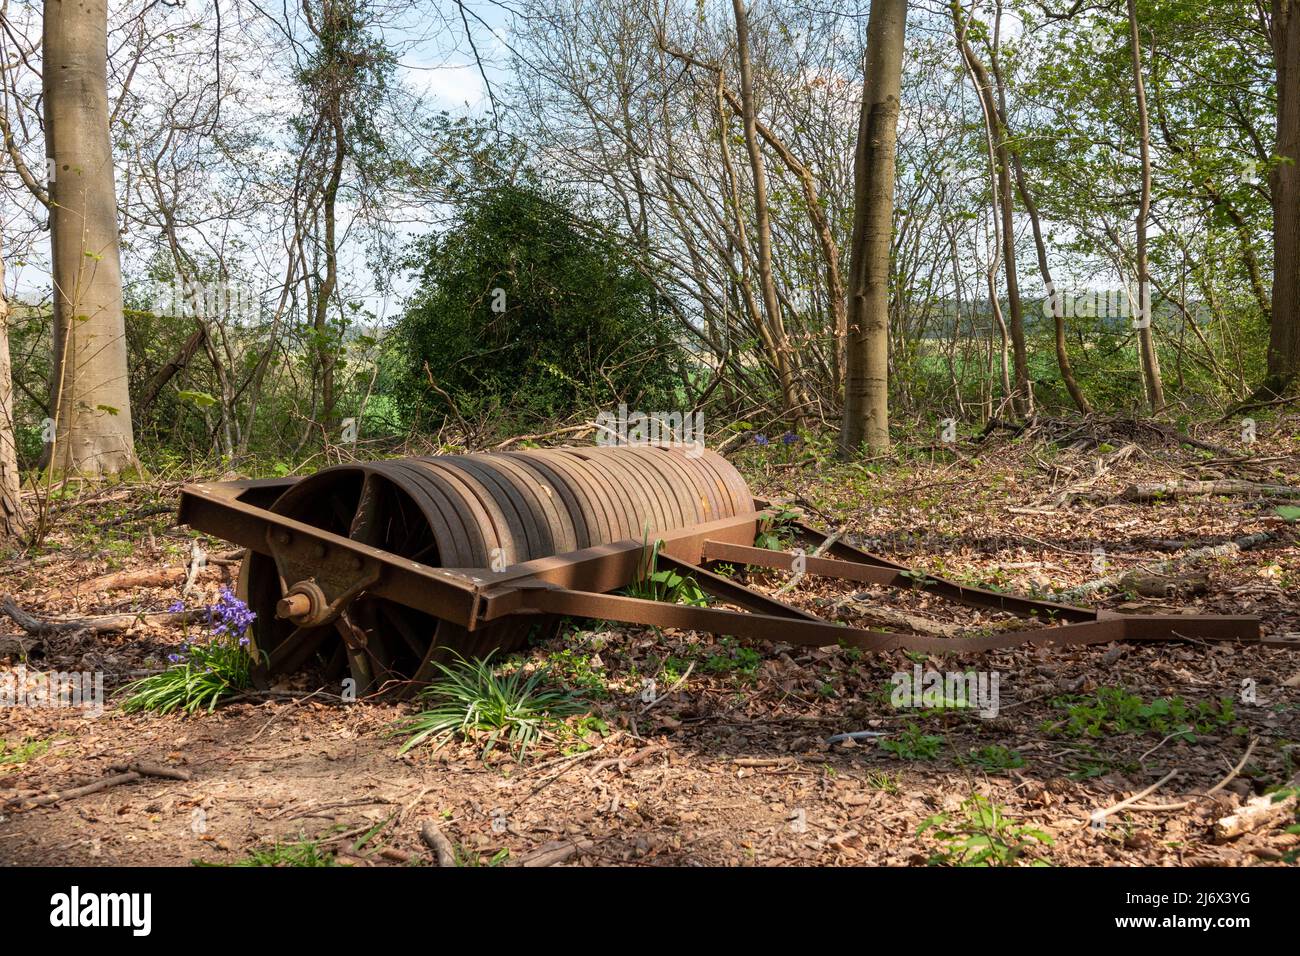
(731, 766)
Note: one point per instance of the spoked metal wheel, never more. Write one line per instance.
(381, 644)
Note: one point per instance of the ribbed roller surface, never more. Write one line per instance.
(482, 511)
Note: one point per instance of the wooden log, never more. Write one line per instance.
(1165, 585)
(444, 853)
(1257, 812)
(1195, 556)
(106, 624)
(1155, 490)
(122, 580)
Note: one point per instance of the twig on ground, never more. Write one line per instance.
(1099, 816)
(121, 773)
(443, 852)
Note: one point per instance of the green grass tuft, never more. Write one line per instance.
(472, 700)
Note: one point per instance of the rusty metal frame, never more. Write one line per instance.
(579, 583)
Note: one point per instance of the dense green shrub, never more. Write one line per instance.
(527, 313)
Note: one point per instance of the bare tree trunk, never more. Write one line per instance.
(866, 390)
(767, 285)
(1284, 335)
(89, 373)
(11, 514)
(174, 366)
(327, 348)
(1142, 308)
(1058, 313)
(1022, 398)
(825, 238)
(1040, 248)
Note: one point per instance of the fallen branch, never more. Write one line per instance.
(571, 430)
(122, 773)
(1179, 488)
(625, 762)
(816, 553)
(1165, 585)
(1099, 816)
(1158, 807)
(765, 761)
(122, 580)
(139, 515)
(856, 735)
(106, 624)
(549, 854)
(146, 769)
(1257, 812)
(228, 557)
(1191, 557)
(671, 690)
(1101, 467)
(444, 853)
(889, 617)
(198, 560)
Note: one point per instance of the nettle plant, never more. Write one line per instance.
(203, 671)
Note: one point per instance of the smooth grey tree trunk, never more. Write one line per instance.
(866, 387)
(88, 385)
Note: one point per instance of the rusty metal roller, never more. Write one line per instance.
(470, 511)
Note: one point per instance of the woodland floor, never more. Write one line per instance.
(732, 767)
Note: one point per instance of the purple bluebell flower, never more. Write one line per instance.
(229, 617)
(176, 607)
(175, 658)
(760, 439)
(789, 438)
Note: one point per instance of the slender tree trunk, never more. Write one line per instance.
(327, 348)
(1022, 398)
(790, 390)
(1058, 313)
(866, 389)
(1284, 335)
(1142, 308)
(89, 373)
(174, 366)
(825, 238)
(1040, 248)
(11, 513)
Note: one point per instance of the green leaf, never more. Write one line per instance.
(201, 399)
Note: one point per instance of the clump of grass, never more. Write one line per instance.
(667, 585)
(883, 781)
(12, 755)
(472, 700)
(203, 672)
(996, 757)
(301, 853)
